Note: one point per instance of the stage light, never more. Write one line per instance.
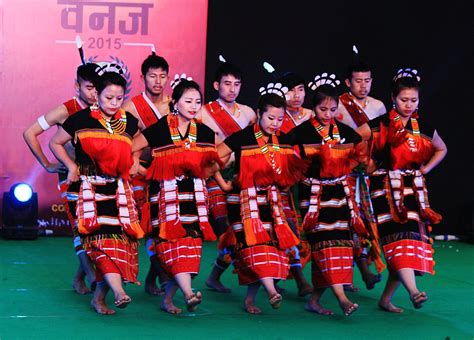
(20, 212)
(22, 192)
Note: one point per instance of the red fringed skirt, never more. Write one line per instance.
(217, 199)
(407, 244)
(332, 266)
(113, 254)
(180, 256)
(261, 261)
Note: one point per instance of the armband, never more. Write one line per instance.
(43, 123)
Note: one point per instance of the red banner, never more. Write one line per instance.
(39, 58)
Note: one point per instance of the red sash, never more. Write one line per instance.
(146, 113)
(356, 112)
(223, 119)
(288, 124)
(72, 106)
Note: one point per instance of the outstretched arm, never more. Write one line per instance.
(56, 116)
(440, 152)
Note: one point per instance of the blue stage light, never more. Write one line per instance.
(22, 192)
(20, 212)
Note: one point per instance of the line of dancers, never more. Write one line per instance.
(337, 184)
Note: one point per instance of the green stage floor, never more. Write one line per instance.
(37, 302)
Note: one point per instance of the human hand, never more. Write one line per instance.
(73, 175)
(55, 168)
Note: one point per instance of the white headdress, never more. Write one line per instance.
(324, 79)
(407, 72)
(179, 78)
(276, 88)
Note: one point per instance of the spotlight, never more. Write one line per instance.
(22, 192)
(20, 212)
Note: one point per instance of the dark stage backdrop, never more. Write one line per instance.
(310, 37)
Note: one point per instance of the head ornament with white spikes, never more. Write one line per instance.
(323, 79)
(276, 88)
(407, 73)
(179, 78)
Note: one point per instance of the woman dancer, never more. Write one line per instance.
(406, 148)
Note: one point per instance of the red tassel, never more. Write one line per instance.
(254, 232)
(375, 255)
(172, 230)
(431, 216)
(190, 163)
(134, 230)
(227, 239)
(207, 231)
(358, 227)
(310, 221)
(286, 238)
(145, 222)
(88, 225)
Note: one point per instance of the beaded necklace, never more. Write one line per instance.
(190, 141)
(271, 152)
(116, 125)
(235, 108)
(325, 134)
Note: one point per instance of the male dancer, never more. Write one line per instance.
(295, 112)
(148, 107)
(224, 116)
(295, 115)
(356, 108)
(85, 77)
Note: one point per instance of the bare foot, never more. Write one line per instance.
(169, 307)
(217, 286)
(418, 299)
(101, 308)
(351, 288)
(192, 301)
(389, 307)
(250, 307)
(348, 307)
(304, 290)
(315, 307)
(122, 301)
(275, 301)
(371, 280)
(152, 289)
(80, 287)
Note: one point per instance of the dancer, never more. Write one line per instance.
(295, 115)
(356, 109)
(406, 149)
(326, 199)
(184, 154)
(148, 107)
(85, 78)
(105, 215)
(224, 116)
(265, 164)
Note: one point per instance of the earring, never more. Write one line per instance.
(175, 111)
(95, 106)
